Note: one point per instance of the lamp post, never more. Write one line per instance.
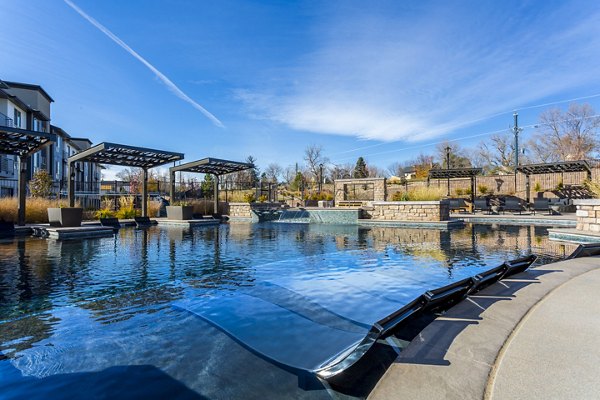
(448, 168)
(320, 178)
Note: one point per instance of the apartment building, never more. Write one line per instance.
(26, 106)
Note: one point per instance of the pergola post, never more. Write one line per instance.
(216, 194)
(527, 188)
(22, 190)
(71, 184)
(473, 179)
(144, 192)
(172, 190)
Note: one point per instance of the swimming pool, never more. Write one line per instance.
(139, 314)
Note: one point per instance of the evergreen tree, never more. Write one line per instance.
(208, 185)
(360, 170)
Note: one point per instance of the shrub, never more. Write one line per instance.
(41, 184)
(483, 189)
(126, 207)
(468, 192)
(262, 198)
(560, 186)
(593, 187)
(459, 192)
(537, 187)
(249, 197)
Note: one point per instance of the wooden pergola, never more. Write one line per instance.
(23, 143)
(124, 155)
(455, 173)
(552, 168)
(214, 166)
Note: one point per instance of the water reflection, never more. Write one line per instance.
(92, 304)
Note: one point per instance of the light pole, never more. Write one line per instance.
(320, 178)
(448, 168)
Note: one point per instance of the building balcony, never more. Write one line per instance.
(6, 121)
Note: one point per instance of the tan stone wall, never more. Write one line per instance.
(588, 215)
(244, 210)
(418, 211)
(240, 210)
(505, 184)
(379, 188)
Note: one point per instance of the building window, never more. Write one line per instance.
(17, 118)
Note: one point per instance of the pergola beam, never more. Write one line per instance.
(124, 155)
(23, 143)
(213, 166)
(552, 168)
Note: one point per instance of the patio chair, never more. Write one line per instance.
(111, 223)
(481, 204)
(458, 205)
(7, 229)
(143, 222)
(541, 204)
(513, 204)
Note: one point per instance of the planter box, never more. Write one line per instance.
(180, 212)
(65, 217)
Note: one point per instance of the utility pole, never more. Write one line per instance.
(516, 131)
(448, 168)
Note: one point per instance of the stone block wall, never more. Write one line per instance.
(418, 211)
(240, 210)
(588, 215)
(244, 210)
(379, 188)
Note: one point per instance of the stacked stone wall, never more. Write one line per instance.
(418, 211)
(588, 215)
(379, 188)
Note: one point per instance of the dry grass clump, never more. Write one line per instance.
(593, 187)
(36, 209)
(126, 207)
(153, 208)
(420, 194)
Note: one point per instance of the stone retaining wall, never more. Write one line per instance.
(379, 189)
(244, 210)
(422, 211)
(588, 215)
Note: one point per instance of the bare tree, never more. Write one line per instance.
(566, 136)
(376, 172)
(497, 154)
(342, 171)
(313, 155)
(289, 173)
(273, 172)
(458, 158)
(398, 169)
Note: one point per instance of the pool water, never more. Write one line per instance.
(185, 312)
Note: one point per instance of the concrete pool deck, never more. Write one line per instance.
(535, 335)
(563, 220)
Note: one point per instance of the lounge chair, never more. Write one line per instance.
(143, 222)
(111, 222)
(541, 204)
(458, 205)
(481, 204)
(512, 204)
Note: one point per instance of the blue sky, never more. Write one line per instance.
(388, 78)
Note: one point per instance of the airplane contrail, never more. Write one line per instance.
(170, 85)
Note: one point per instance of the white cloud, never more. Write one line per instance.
(415, 75)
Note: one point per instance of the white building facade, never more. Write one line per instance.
(26, 106)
